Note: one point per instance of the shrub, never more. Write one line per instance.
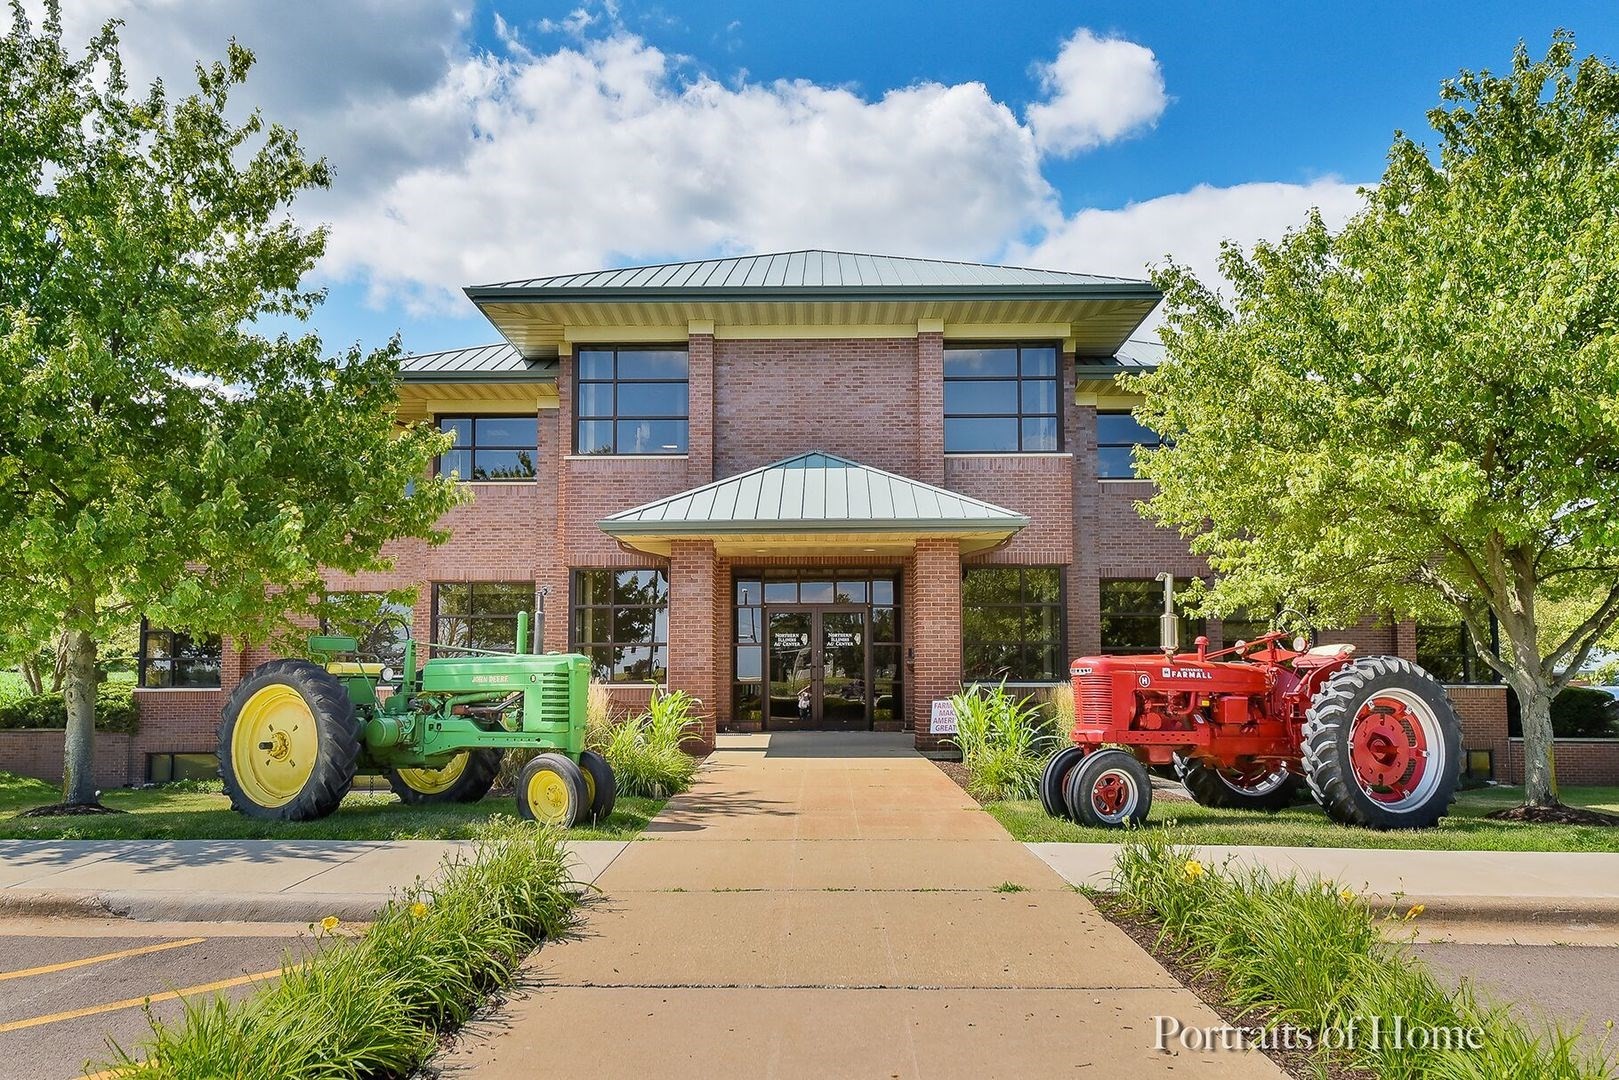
(375, 1007)
(1061, 707)
(1580, 712)
(1004, 742)
(645, 752)
(115, 710)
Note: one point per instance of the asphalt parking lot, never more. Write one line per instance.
(70, 987)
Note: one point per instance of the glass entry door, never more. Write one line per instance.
(819, 659)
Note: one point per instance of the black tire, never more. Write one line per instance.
(1051, 780)
(1329, 730)
(1209, 786)
(477, 777)
(1122, 773)
(601, 786)
(563, 780)
(335, 747)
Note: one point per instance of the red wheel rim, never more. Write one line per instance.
(1389, 748)
(1113, 794)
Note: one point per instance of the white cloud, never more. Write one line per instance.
(1188, 226)
(1097, 90)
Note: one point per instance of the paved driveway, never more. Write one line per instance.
(824, 905)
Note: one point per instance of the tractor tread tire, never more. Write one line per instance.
(1052, 778)
(470, 787)
(602, 786)
(1078, 783)
(1208, 788)
(1327, 723)
(340, 740)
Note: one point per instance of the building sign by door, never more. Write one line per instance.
(943, 720)
(788, 639)
(842, 640)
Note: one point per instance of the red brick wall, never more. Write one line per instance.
(933, 622)
(692, 663)
(39, 754)
(1578, 761)
(1483, 711)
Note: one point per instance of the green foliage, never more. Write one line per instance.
(1579, 712)
(645, 752)
(1311, 954)
(376, 1006)
(1004, 742)
(115, 710)
(1420, 412)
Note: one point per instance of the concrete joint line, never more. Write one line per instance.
(939, 988)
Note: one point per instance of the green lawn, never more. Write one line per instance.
(1306, 826)
(201, 812)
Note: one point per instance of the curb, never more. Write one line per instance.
(1533, 910)
(190, 907)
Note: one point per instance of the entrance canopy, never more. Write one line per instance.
(815, 503)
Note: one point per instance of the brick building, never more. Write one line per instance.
(813, 489)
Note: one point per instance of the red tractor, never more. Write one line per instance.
(1374, 737)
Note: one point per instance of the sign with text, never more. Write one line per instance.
(943, 720)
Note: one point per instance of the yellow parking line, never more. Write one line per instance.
(130, 1003)
(45, 969)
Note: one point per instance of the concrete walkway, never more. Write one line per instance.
(834, 906)
(238, 880)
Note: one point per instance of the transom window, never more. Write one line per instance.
(480, 615)
(175, 658)
(631, 401)
(621, 621)
(1117, 436)
(1448, 654)
(490, 447)
(1131, 608)
(1001, 399)
(1012, 624)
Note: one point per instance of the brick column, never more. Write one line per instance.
(693, 667)
(700, 387)
(1405, 641)
(1084, 578)
(930, 405)
(934, 599)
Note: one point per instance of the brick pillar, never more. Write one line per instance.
(551, 564)
(934, 599)
(693, 667)
(1084, 578)
(930, 407)
(1405, 641)
(700, 384)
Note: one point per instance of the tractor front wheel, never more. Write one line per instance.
(551, 790)
(1254, 788)
(601, 787)
(1051, 781)
(289, 742)
(1382, 745)
(1108, 789)
(465, 778)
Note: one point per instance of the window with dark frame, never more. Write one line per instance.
(1448, 654)
(621, 621)
(631, 401)
(480, 615)
(1012, 624)
(1117, 436)
(379, 625)
(490, 447)
(1131, 608)
(1001, 399)
(176, 659)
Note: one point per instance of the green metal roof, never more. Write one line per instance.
(814, 273)
(814, 492)
(1134, 357)
(491, 363)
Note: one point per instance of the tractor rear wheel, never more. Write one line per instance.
(601, 787)
(289, 742)
(1051, 780)
(1108, 789)
(465, 778)
(1257, 788)
(1382, 745)
(551, 791)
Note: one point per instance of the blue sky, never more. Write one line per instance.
(478, 141)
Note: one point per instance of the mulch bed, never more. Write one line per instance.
(1555, 815)
(70, 810)
(1294, 1061)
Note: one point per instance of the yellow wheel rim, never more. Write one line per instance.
(590, 786)
(273, 745)
(549, 798)
(436, 781)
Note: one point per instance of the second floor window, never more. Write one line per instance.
(1117, 436)
(631, 401)
(1001, 399)
(490, 447)
(174, 658)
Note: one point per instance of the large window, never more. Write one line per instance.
(631, 401)
(1131, 608)
(621, 621)
(1117, 436)
(174, 658)
(1012, 624)
(480, 614)
(1001, 399)
(381, 626)
(1449, 655)
(490, 447)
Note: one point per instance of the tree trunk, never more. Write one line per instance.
(30, 675)
(78, 747)
(1539, 767)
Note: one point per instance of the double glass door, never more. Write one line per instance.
(819, 668)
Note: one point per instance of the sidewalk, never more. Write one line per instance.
(1506, 886)
(238, 880)
(825, 905)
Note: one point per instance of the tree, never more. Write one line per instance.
(159, 452)
(1421, 411)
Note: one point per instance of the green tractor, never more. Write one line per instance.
(295, 732)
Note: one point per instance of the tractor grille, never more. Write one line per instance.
(554, 686)
(1096, 699)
